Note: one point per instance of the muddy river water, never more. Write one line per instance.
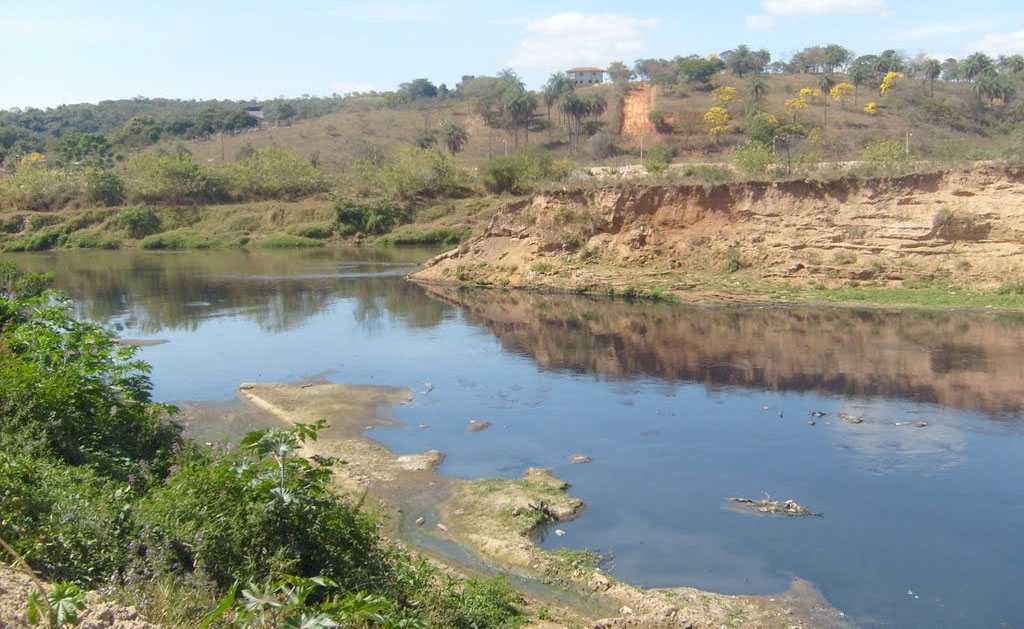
(680, 408)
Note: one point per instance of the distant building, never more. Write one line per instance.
(586, 75)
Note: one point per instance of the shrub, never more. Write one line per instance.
(104, 187)
(375, 218)
(658, 158)
(753, 160)
(179, 241)
(69, 521)
(172, 179)
(139, 221)
(39, 221)
(92, 240)
(287, 241)
(271, 173)
(515, 173)
(249, 513)
(885, 153)
(416, 172)
(71, 388)
(36, 188)
(734, 260)
(13, 224)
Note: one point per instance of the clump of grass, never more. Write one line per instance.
(844, 257)
(287, 241)
(42, 241)
(179, 241)
(93, 240)
(1011, 287)
(318, 231)
(439, 236)
(542, 267)
(734, 261)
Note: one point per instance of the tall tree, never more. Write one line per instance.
(931, 69)
(620, 73)
(558, 84)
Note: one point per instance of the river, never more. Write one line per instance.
(679, 407)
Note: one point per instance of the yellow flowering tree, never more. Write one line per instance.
(717, 121)
(871, 108)
(889, 81)
(722, 96)
(810, 94)
(840, 92)
(794, 106)
(32, 158)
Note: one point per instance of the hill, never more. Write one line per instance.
(939, 121)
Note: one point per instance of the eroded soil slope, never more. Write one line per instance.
(964, 226)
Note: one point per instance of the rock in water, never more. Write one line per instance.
(580, 458)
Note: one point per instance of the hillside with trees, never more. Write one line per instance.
(426, 149)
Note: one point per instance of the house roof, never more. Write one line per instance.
(585, 69)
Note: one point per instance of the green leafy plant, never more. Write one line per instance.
(61, 605)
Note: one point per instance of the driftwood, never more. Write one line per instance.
(767, 505)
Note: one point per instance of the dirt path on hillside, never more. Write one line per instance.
(637, 105)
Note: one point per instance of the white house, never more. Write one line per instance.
(586, 75)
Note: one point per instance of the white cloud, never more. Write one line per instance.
(1000, 44)
(568, 39)
(774, 9)
(346, 87)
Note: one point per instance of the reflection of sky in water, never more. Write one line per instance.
(936, 510)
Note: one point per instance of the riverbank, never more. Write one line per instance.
(940, 239)
(497, 520)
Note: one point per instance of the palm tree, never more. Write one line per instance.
(557, 85)
(976, 65)
(931, 70)
(575, 108)
(826, 82)
(859, 75)
(758, 88)
(454, 136)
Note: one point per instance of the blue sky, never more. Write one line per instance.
(84, 51)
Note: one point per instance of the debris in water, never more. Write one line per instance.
(921, 424)
(423, 426)
(442, 527)
(853, 419)
(429, 387)
(559, 532)
(788, 507)
(580, 458)
(477, 425)
(817, 413)
(811, 423)
(420, 520)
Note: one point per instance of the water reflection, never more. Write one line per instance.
(144, 294)
(958, 359)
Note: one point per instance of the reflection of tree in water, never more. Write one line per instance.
(964, 360)
(144, 294)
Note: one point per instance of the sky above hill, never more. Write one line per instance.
(67, 52)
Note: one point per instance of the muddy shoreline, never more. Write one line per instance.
(488, 526)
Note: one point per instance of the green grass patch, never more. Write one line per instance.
(287, 241)
(439, 236)
(179, 241)
(579, 557)
(42, 241)
(932, 296)
(93, 240)
(313, 230)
